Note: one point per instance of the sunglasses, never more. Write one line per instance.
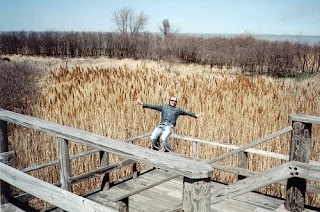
(172, 100)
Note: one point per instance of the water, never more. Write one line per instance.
(309, 39)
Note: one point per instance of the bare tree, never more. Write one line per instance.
(127, 21)
(165, 28)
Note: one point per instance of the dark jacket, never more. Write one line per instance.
(169, 114)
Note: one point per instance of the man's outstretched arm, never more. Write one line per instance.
(150, 106)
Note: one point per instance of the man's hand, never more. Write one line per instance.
(199, 115)
(139, 102)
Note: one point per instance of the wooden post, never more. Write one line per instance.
(242, 162)
(196, 194)
(134, 166)
(104, 161)
(299, 151)
(123, 205)
(195, 149)
(5, 190)
(65, 166)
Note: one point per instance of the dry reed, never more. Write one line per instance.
(238, 110)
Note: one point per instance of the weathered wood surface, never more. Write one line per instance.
(305, 118)
(47, 192)
(196, 195)
(191, 168)
(230, 146)
(9, 207)
(254, 143)
(299, 151)
(249, 173)
(252, 183)
(168, 197)
(242, 163)
(286, 171)
(65, 166)
(307, 171)
(5, 190)
(9, 158)
(136, 185)
(104, 161)
(55, 162)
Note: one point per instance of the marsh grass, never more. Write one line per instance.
(238, 110)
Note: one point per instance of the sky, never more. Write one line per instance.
(292, 17)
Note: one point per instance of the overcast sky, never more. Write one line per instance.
(295, 17)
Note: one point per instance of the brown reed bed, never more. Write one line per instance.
(238, 110)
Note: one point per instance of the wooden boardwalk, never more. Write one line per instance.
(175, 183)
(168, 197)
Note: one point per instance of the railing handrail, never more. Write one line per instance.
(191, 168)
(305, 118)
(234, 147)
(80, 154)
(48, 192)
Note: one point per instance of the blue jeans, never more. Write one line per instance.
(164, 131)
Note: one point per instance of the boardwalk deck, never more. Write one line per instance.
(168, 197)
(161, 188)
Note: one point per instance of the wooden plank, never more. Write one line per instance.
(236, 206)
(65, 166)
(299, 151)
(145, 203)
(134, 139)
(9, 158)
(104, 161)
(136, 185)
(196, 194)
(55, 162)
(254, 143)
(9, 207)
(81, 154)
(195, 149)
(249, 173)
(168, 192)
(252, 183)
(242, 162)
(101, 170)
(306, 171)
(5, 190)
(123, 205)
(230, 146)
(260, 201)
(187, 167)
(47, 192)
(305, 118)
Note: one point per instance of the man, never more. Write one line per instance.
(169, 116)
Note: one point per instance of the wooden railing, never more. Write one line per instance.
(196, 173)
(296, 174)
(292, 174)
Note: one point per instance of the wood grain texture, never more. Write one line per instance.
(47, 192)
(65, 166)
(191, 168)
(299, 151)
(196, 195)
(254, 182)
(5, 190)
(305, 118)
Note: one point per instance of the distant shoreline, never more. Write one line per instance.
(309, 39)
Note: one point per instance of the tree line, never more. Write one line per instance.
(250, 54)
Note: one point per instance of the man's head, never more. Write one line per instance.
(173, 101)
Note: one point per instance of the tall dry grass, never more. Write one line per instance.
(238, 110)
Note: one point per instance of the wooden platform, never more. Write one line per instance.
(168, 197)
